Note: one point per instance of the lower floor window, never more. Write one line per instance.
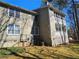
(35, 30)
(13, 29)
(64, 28)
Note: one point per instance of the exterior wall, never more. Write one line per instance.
(57, 37)
(52, 26)
(44, 26)
(25, 22)
(65, 33)
(48, 33)
(47, 30)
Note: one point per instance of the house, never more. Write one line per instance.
(21, 27)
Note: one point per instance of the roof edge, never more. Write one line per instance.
(6, 5)
(52, 8)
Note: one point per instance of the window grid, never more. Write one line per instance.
(13, 13)
(13, 31)
(17, 14)
(58, 27)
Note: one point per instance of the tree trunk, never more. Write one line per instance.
(75, 19)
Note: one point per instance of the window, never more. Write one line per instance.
(36, 30)
(57, 15)
(63, 18)
(58, 27)
(64, 28)
(11, 13)
(17, 14)
(13, 29)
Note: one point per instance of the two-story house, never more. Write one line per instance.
(21, 27)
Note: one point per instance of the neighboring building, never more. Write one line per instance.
(20, 27)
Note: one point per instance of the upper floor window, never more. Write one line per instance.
(57, 15)
(17, 14)
(63, 18)
(12, 13)
(13, 29)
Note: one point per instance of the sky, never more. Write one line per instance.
(31, 5)
(27, 4)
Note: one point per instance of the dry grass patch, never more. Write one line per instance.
(70, 51)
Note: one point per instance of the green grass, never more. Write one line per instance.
(10, 51)
(16, 49)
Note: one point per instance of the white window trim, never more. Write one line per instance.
(14, 14)
(60, 28)
(8, 11)
(14, 33)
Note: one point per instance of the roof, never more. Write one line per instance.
(52, 8)
(56, 10)
(6, 5)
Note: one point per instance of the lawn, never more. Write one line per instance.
(70, 51)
